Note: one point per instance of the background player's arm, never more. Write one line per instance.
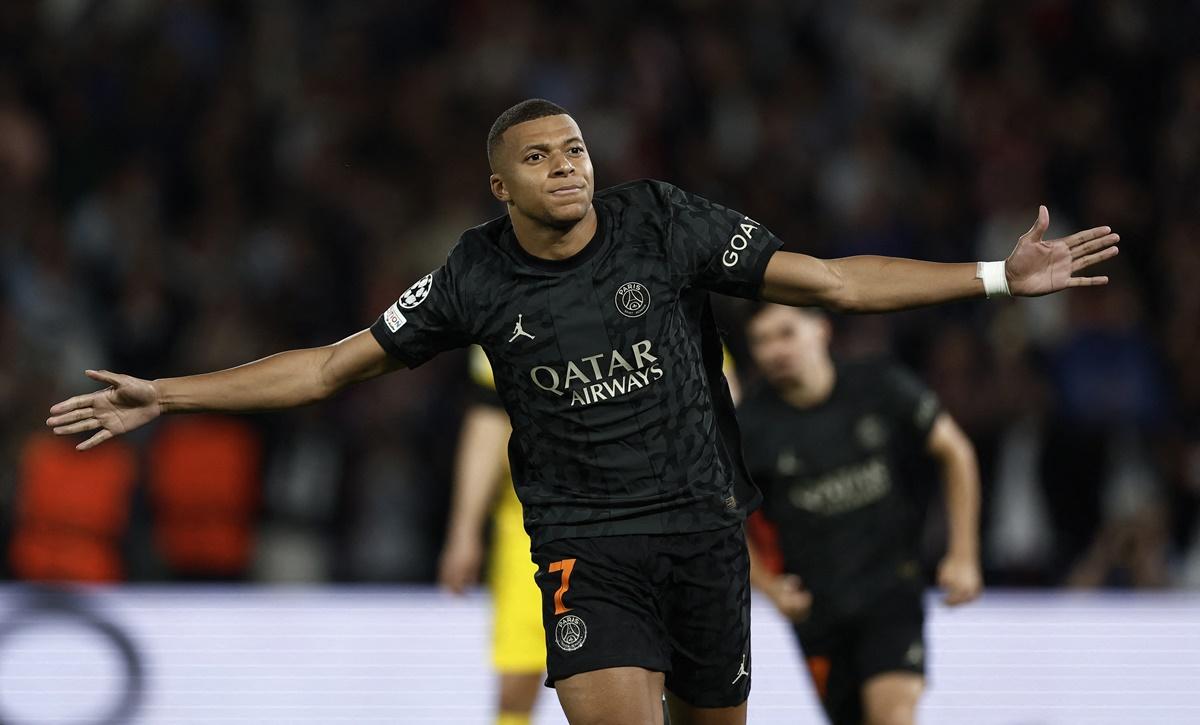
(959, 572)
(879, 284)
(785, 591)
(285, 380)
(478, 471)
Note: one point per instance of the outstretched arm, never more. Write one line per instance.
(478, 471)
(285, 380)
(880, 284)
(959, 573)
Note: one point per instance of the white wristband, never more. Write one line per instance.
(995, 282)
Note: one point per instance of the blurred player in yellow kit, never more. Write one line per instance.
(482, 485)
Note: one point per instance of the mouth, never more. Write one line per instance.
(567, 191)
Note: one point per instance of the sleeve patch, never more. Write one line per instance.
(393, 318)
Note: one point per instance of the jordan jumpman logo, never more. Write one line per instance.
(518, 330)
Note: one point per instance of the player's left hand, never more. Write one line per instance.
(790, 597)
(1040, 266)
(460, 563)
(960, 579)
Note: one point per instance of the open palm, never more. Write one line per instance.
(128, 404)
(1038, 267)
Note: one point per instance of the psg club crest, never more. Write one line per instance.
(632, 299)
(570, 634)
(416, 294)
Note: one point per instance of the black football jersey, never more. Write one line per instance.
(608, 363)
(836, 480)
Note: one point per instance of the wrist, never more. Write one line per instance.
(995, 278)
(962, 554)
(160, 397)
(464, 534)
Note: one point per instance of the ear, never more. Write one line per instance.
(498, 189)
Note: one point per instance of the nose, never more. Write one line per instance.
(563, 165)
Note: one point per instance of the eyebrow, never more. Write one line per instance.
(546, 147)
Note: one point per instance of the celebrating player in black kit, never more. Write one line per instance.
(593, 309)
(832, 446)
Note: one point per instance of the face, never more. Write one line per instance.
(789, 345)
(544, 171)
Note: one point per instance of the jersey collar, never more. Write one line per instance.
(599, 239)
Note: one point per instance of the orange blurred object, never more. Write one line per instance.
(72, 510)
(204, 481)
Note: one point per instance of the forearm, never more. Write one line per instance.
(760, 576)
(478, 469)
(284, 380)
(291, 378)
(961, 475)
(867, 283)
(882, 284)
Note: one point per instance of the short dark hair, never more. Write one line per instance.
(527, 110)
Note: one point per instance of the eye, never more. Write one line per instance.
(576, 150)
(534, 157)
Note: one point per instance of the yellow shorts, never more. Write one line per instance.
(518, 640)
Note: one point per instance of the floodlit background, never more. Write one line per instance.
(190, 184)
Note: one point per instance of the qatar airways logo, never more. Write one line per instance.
(603, 376)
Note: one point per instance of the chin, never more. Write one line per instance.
(568, 216)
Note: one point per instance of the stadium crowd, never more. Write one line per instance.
(190, 184)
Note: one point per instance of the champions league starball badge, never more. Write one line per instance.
(632, 299)
(570, 633)
(416, 294)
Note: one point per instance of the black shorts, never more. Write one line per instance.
(672, 603)
(886, 636)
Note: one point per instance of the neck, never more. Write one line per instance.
(552, 242)
(814, 391)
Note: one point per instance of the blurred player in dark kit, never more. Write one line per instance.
(832, 447)
(593, 309)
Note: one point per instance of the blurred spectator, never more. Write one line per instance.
(190, 184)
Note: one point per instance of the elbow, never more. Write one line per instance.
(325, 381)
(839, 293)
(844, 303)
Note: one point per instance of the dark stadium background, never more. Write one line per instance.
(189, 184)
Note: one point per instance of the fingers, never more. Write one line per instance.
(1087, 281)
(70, 417)
(790, 583)
(456, 577)
(1090, 259)
(80, 427)
(1086, 236)
(103, 376)
(1084, 248)
(961, 595)
(84, 401)
(1040, 225)
(95, 440)
(79, 401)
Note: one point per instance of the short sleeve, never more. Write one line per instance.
(913, 405)
(424, 321)
(719, 249)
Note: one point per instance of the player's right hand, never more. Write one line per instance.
(127, 403)
(790, 597)
(1040, 266)
(460, 563)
